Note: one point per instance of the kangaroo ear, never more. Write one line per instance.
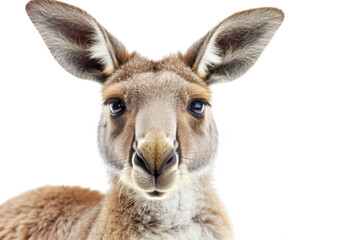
(233, 46)
(76, 40)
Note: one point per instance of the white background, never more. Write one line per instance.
(288, 165)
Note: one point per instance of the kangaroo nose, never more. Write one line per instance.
(141, 162)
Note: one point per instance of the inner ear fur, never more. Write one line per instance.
(76, 40)
(232, 47)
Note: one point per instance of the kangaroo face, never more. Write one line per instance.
(156, 127)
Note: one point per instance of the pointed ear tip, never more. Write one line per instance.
(28, 6)
(275, 13)
(279, 13)
(272, 12)
(31, 6)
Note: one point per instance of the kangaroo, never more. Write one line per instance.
(156, 132)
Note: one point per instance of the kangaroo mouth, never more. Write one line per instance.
(156, 194)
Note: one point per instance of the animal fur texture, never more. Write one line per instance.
(156, 132)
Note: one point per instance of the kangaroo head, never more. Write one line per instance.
(156, 127)
(156, 131)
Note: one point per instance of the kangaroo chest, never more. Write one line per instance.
(177, 219)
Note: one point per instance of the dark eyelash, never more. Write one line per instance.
(109, 101)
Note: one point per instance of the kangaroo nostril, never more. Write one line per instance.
(140, 162)
(168, 163)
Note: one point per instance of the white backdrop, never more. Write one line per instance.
(288, 165)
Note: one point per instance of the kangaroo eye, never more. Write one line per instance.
(117, 107)
(197, 108)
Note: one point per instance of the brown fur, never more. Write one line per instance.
(77, 213)
(199, 92)
(138, 64)
(47, 213)
(114, 90)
